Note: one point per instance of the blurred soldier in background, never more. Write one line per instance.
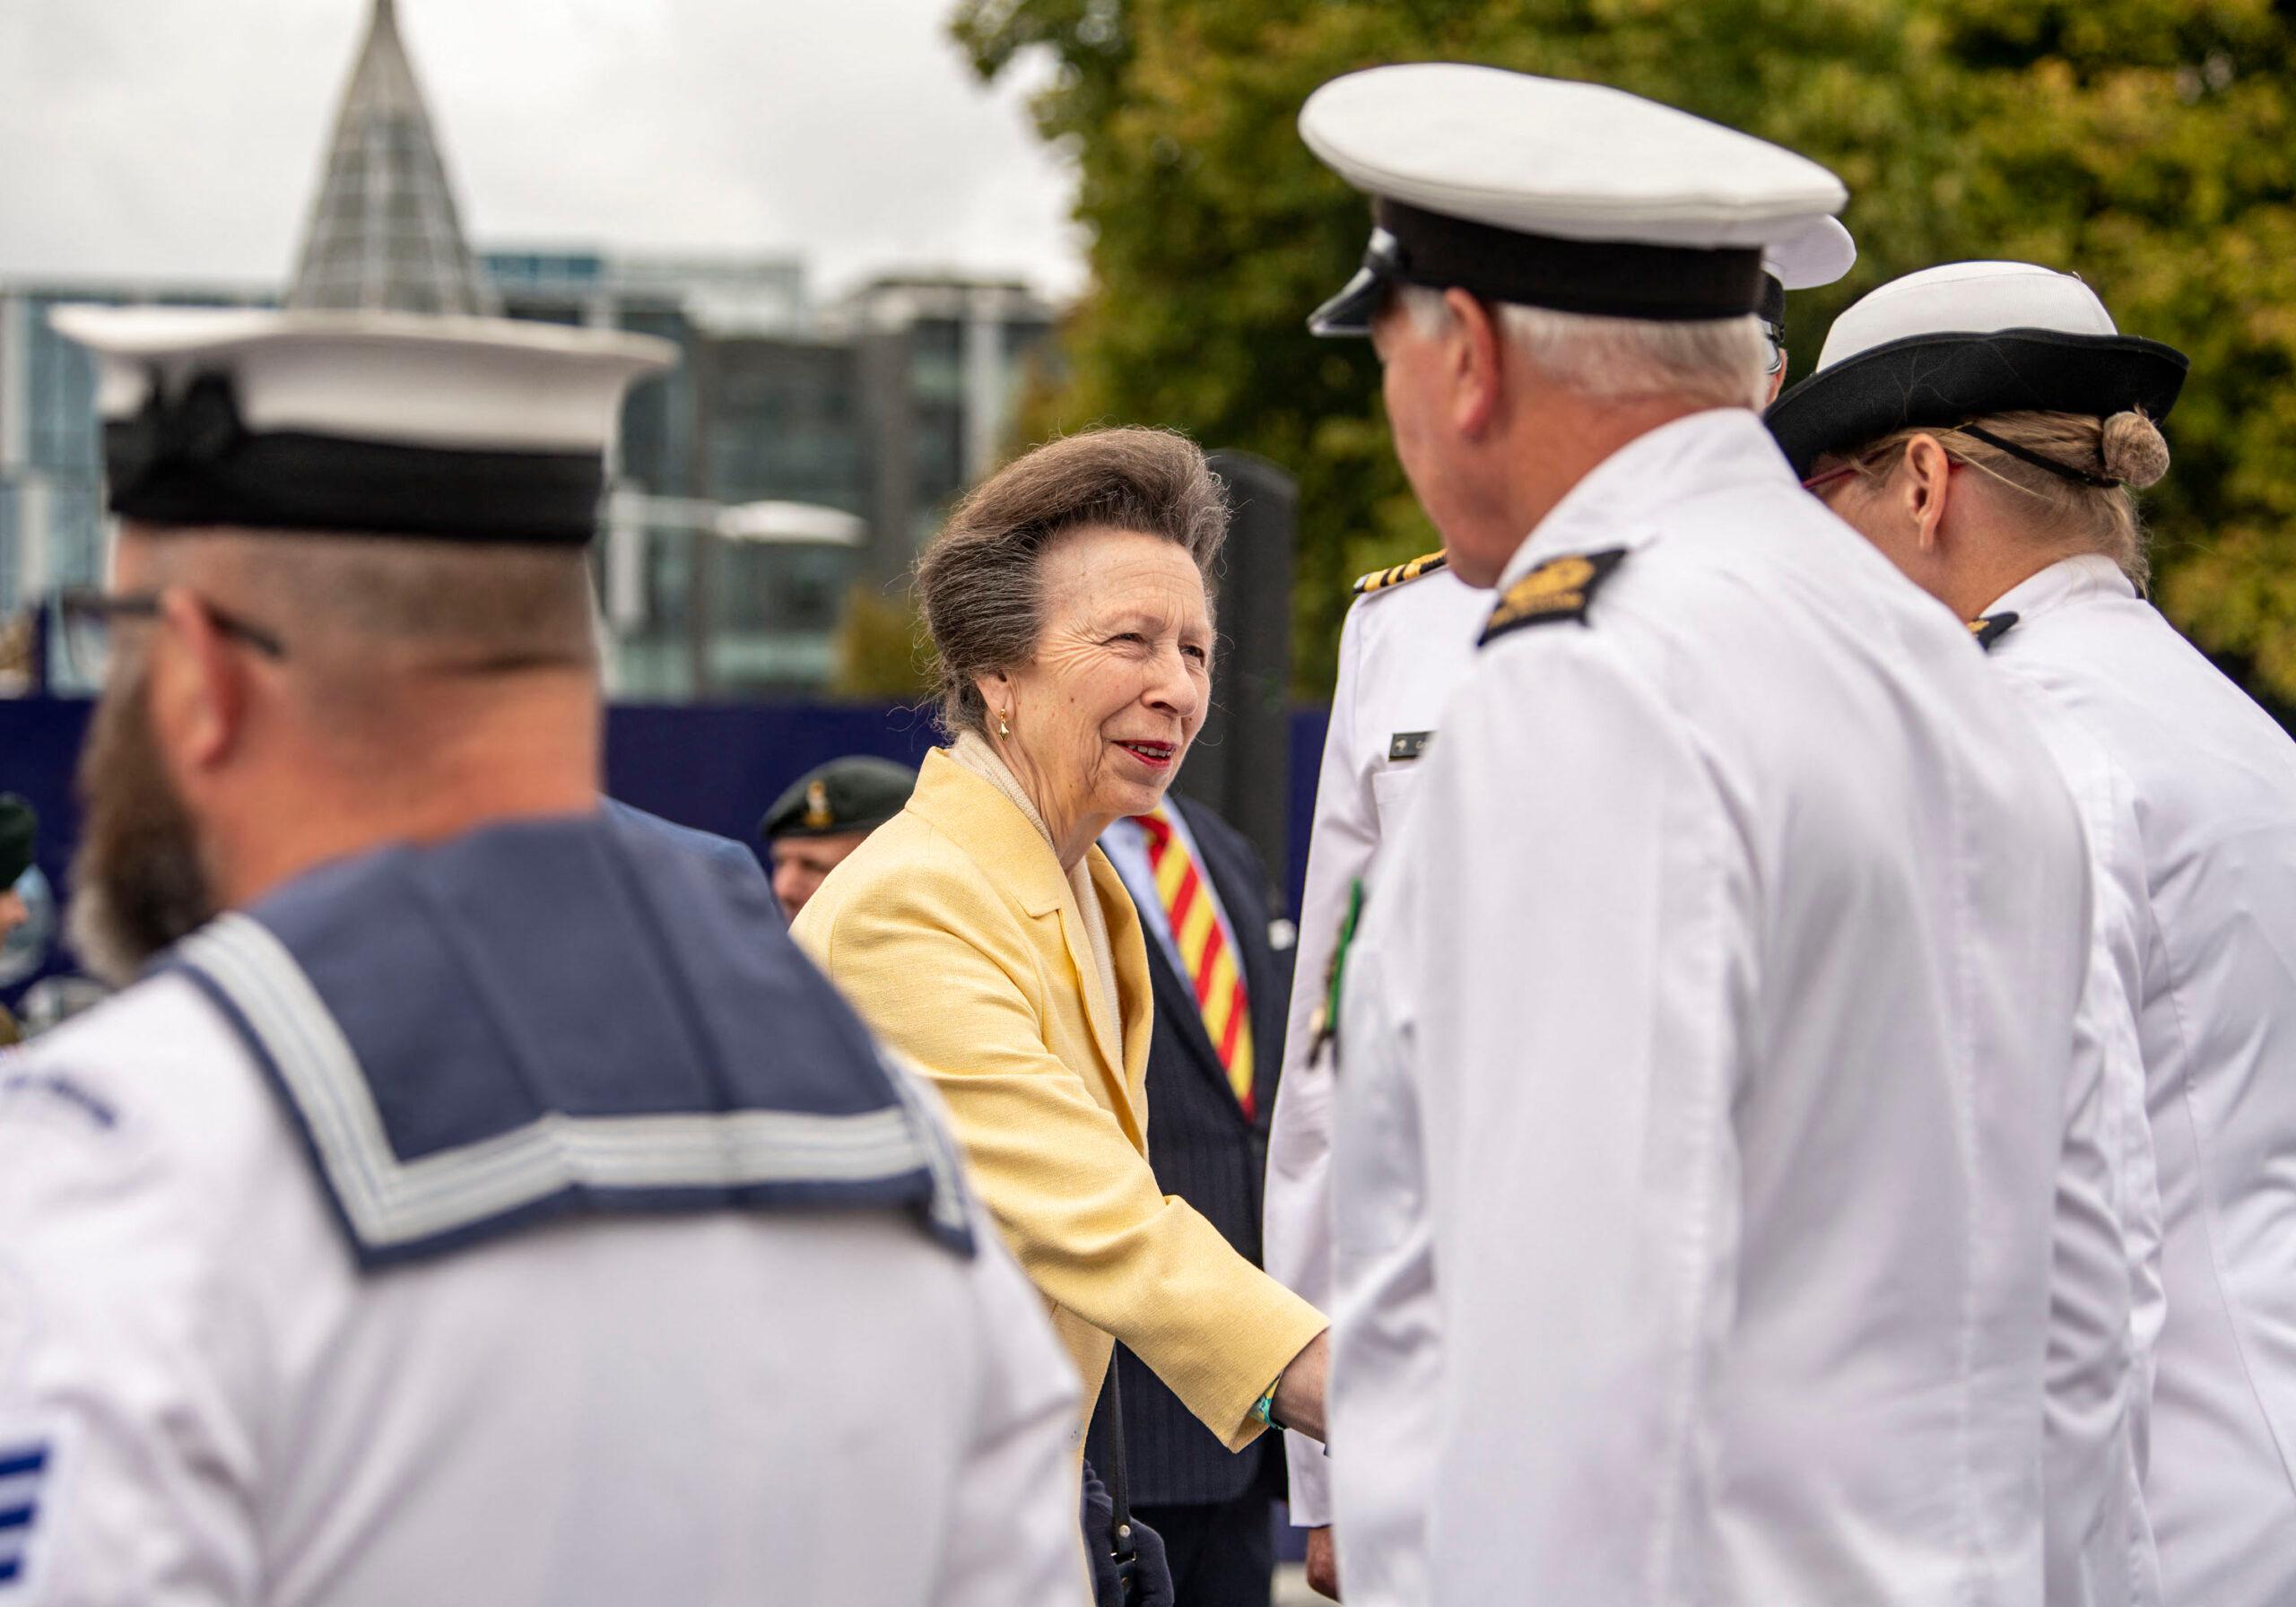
(1705, 1062)
(19, 834)
(824, 816)
(480, 1200)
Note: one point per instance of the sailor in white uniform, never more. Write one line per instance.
(2018, 375)
(1408, 640)
(1704, 1059)
(479, 1200)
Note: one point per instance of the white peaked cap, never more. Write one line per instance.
(1819, 252)
(1967, 297)
(369, 422)
(1547, 192)
(1547, 156)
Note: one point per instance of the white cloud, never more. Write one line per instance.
(172, 139)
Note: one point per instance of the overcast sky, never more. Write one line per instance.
(181, 139)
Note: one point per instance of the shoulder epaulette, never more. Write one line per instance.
(1990, 628)
(1557, 590)
(1380, 580)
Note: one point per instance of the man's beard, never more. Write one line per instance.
(137, 882)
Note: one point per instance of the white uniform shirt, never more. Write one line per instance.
(1401, 652)
(1705, 1082)
(733, 1408)
(2190, 791)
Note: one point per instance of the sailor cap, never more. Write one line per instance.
(473, 430)
(1963, 341)
(1547, 193)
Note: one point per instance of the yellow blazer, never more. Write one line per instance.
(957, 936)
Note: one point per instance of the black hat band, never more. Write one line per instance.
(1602, 278)
(1944, 380)
(192, 461)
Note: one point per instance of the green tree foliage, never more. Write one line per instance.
(2145, 143)
(880, 649)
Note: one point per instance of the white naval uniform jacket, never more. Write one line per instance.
(2189, 793)
(1401, 652)
(207, 1403)
(1706, 1076)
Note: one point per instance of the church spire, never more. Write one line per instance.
(383, 232)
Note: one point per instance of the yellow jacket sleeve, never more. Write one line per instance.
(949, 973)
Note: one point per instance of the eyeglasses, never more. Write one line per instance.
(88, 615)
(1857, 464)
(1776, 339)
(1842, 471)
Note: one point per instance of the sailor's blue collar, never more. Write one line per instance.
(548, 1016)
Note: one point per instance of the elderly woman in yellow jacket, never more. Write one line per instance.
(982, 933)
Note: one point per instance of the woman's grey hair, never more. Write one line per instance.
(978, 581)
(2126, 448)
(1715, 363)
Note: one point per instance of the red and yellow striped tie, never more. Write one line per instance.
(1203, 948)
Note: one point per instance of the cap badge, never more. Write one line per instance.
(1558, 589)
(818, 815)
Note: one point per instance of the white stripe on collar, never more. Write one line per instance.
(390, 1202)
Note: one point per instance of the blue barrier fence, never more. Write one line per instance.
(715, 766)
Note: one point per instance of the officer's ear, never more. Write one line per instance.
(1475, 348)
(200, 683)
(1925, 480)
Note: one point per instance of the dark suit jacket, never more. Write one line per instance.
(1203, 1149)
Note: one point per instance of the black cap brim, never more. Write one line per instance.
(1351, 312)
(1938, 381)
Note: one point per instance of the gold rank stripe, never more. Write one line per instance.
(1379, 580)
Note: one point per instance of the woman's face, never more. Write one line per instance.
(1120, 681)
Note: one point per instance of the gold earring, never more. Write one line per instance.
(1001, 728)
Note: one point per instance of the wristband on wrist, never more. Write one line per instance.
(1264, 1409)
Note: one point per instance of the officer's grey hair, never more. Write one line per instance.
(978, 581)
(1712, 362)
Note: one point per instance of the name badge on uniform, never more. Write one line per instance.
(1405, 745)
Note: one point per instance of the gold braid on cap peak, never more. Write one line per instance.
(1379, 580)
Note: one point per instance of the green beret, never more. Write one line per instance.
(855, 793)
(18, 829)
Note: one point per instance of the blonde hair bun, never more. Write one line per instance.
(2133, 449)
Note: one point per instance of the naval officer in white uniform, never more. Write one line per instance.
(479, 1200)
(1697, 1174)
(1408, 640)
(2018, 375)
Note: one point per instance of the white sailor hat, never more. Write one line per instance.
(1572, 196)
(1959, 342)
(475, 430)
